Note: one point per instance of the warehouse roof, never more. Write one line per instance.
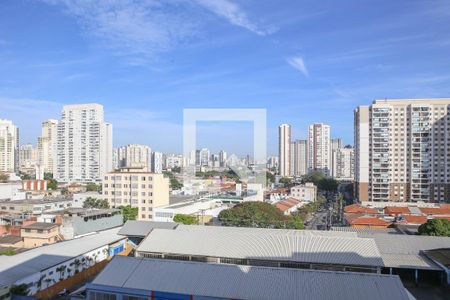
(249, 230)
(15, 267)
(367, 230)
(404, 251)
(243, 282)
(143, 228)
(264, 245)
(40, 226)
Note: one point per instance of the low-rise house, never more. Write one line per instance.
(11, 241)
(39, 234)
(358, 209)
(367, 222)
(79, 221)
(35, 206)
(289, 205)
(305, 192)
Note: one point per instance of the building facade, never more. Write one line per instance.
(84, 144)
(138, 188)
(319, 148)
(343, 164)
(28, 156)
(9, 145)
(134, 156)
(47, 143)
(408, 157)
(299, 158)
(284, 149)
(157, 162)
(305, 192)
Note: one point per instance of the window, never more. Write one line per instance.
(101, 296)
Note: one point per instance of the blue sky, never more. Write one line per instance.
(145, 61)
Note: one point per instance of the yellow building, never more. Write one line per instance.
(38, 234)
(136, 187)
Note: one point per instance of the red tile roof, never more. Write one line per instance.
(369, 221)
(435, 210)
(396, 210)
(415, 219)
(356, 208)
(442, 217)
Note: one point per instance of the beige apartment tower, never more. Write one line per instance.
(284, 144)
(402, 150)
(136, 187)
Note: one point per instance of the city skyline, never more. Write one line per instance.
(146, 80)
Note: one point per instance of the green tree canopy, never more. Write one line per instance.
(3, 177)
(92, 187)
(95, 203)
(48, 175)
(185, 219)
(435, 227)
(258, 214)
(174, 183)
(52, 184)
(322, 182)
(285, 180)
(129, 213)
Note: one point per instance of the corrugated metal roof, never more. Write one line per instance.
(245, 282)
(143, 228)
(264, 245)
(264, 230)
(366, 231)
(16, 267)
(404, 251)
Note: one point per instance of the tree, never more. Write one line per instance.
(52, 184)
(95, 203)
(129, 213)
(185, 219)
(435, 227)
(257, 214)
(92, 187)
(48, 176)
(270, 178)
(174, 183)
(285, 180)
(4, 177)
(21, 289)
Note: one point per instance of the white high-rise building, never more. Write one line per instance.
(28, 156)
(343, 164)
(299, 158)
(47, 145)
(222, 158)
(9, 146)
(173, 161)
(84, 144)
(402, 150)
(157, 162)
(319, 148)
(284, 149)
(202, 157)
(135, 156)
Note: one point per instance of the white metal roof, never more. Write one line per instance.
(404, 251)
(261, 244)
(16, 267)
(245, 282)
(143, 228)
(230, 229)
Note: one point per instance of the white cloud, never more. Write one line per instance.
(232, 13)
(298, 63)
(138, 28)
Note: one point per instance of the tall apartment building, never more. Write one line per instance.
(284, 149)
(402, 148)
(47, 144)
(173, 161)
(84, 144)
(202, 157)
(319, 148)
(28, 156)
(222, 158)
(343, 164)
(157, 162)
(138, 188)
(134, 156)
(9, 146)
(299, 160)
